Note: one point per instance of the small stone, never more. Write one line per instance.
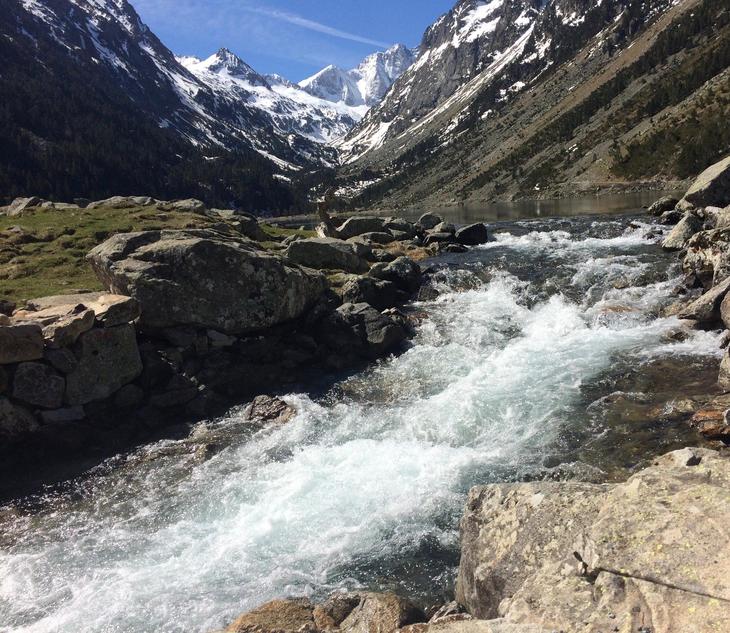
(219, 340)
(38, 384)
(269, 410)
(20, 343)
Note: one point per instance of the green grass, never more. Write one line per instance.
(46, 254)
(278, 231)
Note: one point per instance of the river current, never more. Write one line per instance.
(543, 354)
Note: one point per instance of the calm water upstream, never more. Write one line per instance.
(542, 354)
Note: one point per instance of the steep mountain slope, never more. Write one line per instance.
(364, 86)
(94, 104)
(290, 109)
(519, 97)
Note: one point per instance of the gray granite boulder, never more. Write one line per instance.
(326, 253)
(205, 278)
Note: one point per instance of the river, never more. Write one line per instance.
(543, 354)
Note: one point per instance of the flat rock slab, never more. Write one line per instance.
(205, 278)
(110, 309)
(649, 554)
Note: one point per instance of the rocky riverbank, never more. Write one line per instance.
(650, 554)
(195, 320)
(647, 555)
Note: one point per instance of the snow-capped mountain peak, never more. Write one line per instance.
(365, 85)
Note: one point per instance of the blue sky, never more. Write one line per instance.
(294, 38)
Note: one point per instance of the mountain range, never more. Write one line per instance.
(501, 99)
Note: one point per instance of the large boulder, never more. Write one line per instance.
(473, 235)
(359, 225)
(359, 329)
(680, 234)
(326, 253)
(712, 186)
(205, 278)
(108, 359)
(644, 555)
(20, 343)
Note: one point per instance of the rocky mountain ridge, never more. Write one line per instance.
(366, 85)
(533, 98)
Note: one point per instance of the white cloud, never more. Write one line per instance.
(312, 25)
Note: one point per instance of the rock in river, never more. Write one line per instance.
(680, 234)
(205, 278)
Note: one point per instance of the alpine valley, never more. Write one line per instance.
(502, 99)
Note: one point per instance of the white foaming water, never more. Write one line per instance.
(351, 485)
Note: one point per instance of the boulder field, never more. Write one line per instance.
(650, 554)
(701, 236)
(195, 320)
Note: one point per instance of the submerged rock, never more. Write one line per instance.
(205, 278)
(631, 557)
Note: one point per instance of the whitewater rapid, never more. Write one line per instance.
(365, 486)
